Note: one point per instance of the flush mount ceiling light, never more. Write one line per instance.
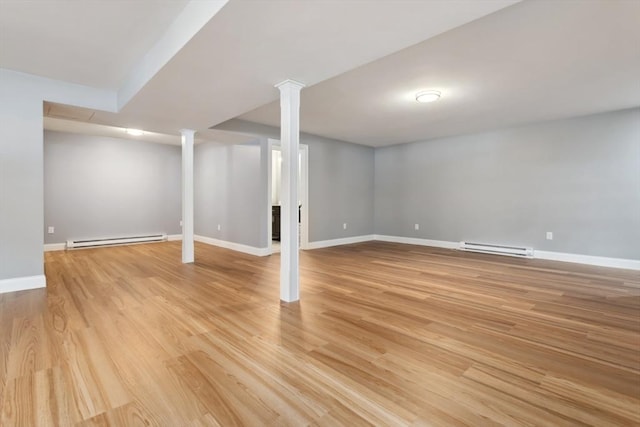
(427, 96)
(134, 132)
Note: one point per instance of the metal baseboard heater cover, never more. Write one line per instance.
(487, 248)
(91, 243)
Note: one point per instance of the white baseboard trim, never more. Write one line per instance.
(630, 264)
(337, 242)
(251, 250)
(599, 261)
(22, 283)
(55, 247)
(416, 241)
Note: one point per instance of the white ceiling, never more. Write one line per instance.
(63, 118)
(533, 61)
(233, 63)
(93, 43)
(85, 128)
(498, 63)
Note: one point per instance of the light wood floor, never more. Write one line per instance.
(385, 334)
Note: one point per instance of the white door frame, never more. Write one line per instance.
(274, 144)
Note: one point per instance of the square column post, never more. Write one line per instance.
(187, 195)
(290, 144)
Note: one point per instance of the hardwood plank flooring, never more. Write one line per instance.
(385, 334)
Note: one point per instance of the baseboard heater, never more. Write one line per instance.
(90, 243)
(487, 248)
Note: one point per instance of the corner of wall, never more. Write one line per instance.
(22, 283)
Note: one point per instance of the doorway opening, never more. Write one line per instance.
(274, 185)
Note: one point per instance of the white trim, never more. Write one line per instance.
(269, 212)
(174, 237)
(22, 283)
(291, 83)
(416, 241)
(343, 241)
(55, 247)
(631, 264)
(304, 197)
(251, 250)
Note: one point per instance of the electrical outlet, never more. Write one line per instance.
(51, 230)
(344, 226)
(219, 228)
(180, 223)
(549, 235)
(416, 226)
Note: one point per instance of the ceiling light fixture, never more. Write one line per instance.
(427, 96)
(134, 132)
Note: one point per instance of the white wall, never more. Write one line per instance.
(21, 169)
(231, 190)
(99, 187)
(341, 177)
(21, 206)
(578, 178)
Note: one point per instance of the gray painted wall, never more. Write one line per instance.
(231, 190)
(20, 180)
(96, 187)
(341, 178)
(579, 178)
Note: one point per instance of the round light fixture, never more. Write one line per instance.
(427, 96)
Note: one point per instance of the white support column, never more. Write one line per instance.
(187, 195)
(290, 142)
